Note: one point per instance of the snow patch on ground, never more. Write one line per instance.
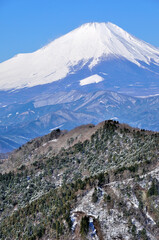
(151, 219)
(134, 201)
(92, 79)
(54, 140)
(111, 222)
(74, 221)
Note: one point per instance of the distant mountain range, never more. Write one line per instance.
(96, 72)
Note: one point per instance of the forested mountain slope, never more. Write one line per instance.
(94, 182)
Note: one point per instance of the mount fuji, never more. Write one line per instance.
(88, 51)
(95, 72)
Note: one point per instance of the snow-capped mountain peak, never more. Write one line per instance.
(89, 44)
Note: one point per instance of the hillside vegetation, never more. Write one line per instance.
(94, 182)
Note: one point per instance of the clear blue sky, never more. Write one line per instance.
(27, 25)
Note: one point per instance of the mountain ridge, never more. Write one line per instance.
(102, 187)
(70, 109)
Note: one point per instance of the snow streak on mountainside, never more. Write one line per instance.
(92, 79)
(89, 45)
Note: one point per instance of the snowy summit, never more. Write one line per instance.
(87, 45)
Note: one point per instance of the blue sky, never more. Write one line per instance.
(27, 25)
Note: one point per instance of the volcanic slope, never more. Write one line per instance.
(85, 49)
